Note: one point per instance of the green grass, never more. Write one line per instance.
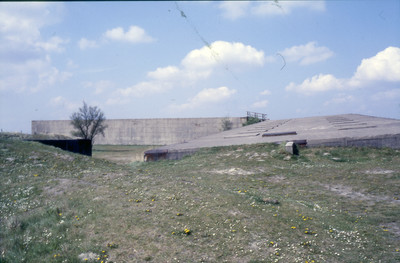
(239, 204)
(122, 154)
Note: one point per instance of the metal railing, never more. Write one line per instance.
(260, 116)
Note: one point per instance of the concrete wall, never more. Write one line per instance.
(389, 140)
(144, 131)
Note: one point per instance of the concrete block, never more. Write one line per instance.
(291, 148)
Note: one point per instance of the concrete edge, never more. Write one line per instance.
(381, 141)
(388, 140)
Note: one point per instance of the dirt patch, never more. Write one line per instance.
(233, 171)
(393, 228)
(64, 157)
(276, 178)
(59, 189)
(379, 171)
(230, 154)
(348, 192)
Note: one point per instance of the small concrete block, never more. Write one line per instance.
(291, 148)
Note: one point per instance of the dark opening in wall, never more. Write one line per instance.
(80, 146)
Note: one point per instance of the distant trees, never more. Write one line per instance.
(88, 122)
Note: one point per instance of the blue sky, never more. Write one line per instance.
(146, 59)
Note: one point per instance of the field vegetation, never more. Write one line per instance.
(249, 203)
(121, 154)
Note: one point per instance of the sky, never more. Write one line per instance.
(165, 59)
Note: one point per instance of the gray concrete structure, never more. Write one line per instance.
(144, 131)
(337, 130)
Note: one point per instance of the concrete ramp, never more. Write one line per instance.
(336, 130)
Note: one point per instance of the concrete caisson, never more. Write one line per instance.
(144, 131)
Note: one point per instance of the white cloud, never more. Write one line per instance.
(100, 86)
(318, 83)
(260, 104)
(238, 9)
(32, 75)
(60, 101)
(206, 96)
(21, 22)
(392, 94)
(286, 7)
(145, 88)
(197, 65)
(71, 64)
(265, 92)
(234, 9)
(306, 54)
(234, 54)
(135, 34)
(20, 25)
(164, 73)
(86, 43)
(383, 67)
(340, 99)
(54, 44)
(25, 62)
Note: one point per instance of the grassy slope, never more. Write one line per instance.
(122, 154)
(240, 204)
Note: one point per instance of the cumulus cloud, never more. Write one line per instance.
(86, 43)
(383, 67)
(318, 83)
(392, 94)
(164, 73)
(198, 64)
(260, 104)
(99, 87)
(286, 7)
(234, 54)
(20, 25)
(21, 22)
(205, 97)
(340, 99)
(237, 9)
(139, 90)
(60, 101)
(306, 54)
(265, 92)
(32, 75)
(54, 44)
(135, 34)
(25, 62)
(234, 9)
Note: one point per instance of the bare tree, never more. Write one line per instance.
(88, 122)
(226, 124)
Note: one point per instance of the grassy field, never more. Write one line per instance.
(122, 154)
(227, 204)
